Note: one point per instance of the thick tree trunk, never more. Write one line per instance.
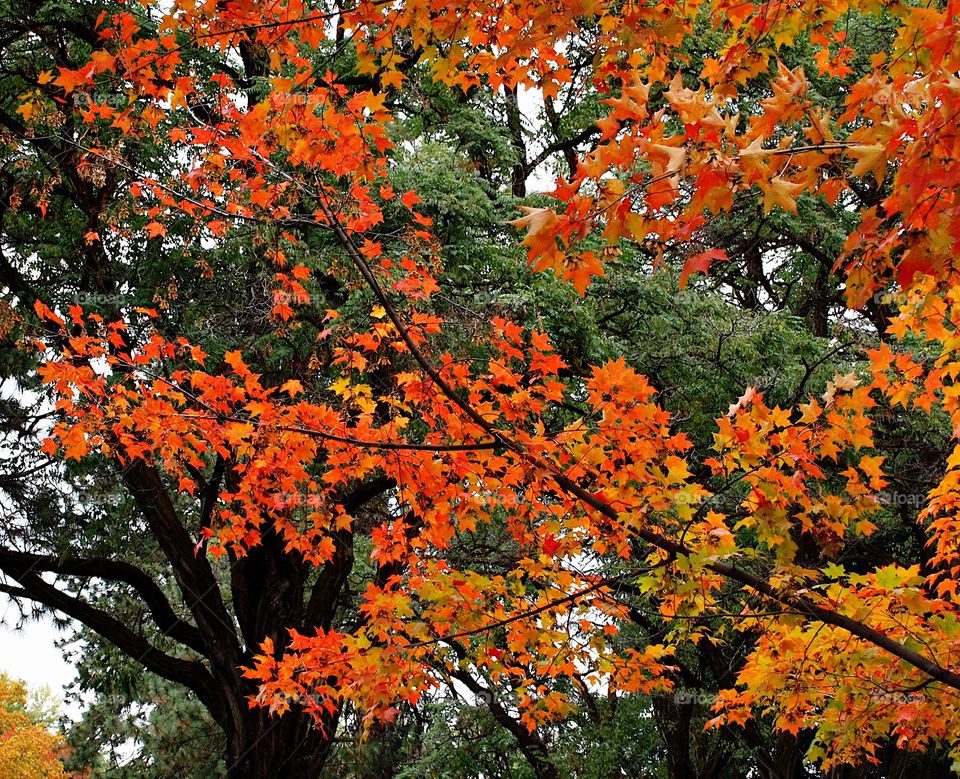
(673, 721)
(267, 746)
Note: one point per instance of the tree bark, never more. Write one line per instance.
(291, 746)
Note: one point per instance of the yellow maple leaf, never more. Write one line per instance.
(536, 221)
(870, 159)
(782, 193)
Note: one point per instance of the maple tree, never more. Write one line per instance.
(27, 748)
(353, 423)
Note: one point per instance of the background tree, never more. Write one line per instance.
(27, 747)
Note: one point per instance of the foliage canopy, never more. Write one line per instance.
(248, 244)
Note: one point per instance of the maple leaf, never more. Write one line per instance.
(752, 159)
(410, 199)
(27, 110)
(870, 159)
(155, 229)
(74, 442)
(915, 263)
(292, 387)
(700, 263)
(779, 192)
(392, 79)
(581, 268)
(676, 155)
(44, 312)
(748, 397)
(70, 80)
(550, 545)
(238, 432)
(536, 221)
(235, 360)
(846, 382)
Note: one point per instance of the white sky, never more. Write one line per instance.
(30, 654)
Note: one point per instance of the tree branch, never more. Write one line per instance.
(201, 591)
(190, 673)
(113, 570)
(323, 595)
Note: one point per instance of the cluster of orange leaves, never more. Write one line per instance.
(558, 612)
